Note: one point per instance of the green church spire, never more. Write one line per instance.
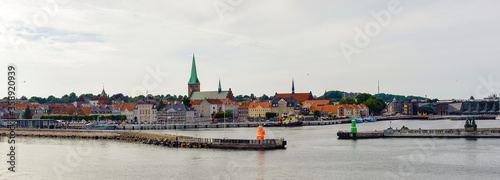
(103, 93)
(194, 76)
(220, 87)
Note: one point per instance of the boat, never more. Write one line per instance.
(285, 121)
(99, 126)
(370, 119)
(358, 120)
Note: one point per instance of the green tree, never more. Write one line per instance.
(376, 105)
(171, 98)
(317, 113)
(264, 97)
(472, 98)
(239, 98)
(228, 113)
(160, 105)
(186, 101)
(432, 100)
(347, 100)
(23, 98)
(270, 115)
(362, 97)
(27, 114)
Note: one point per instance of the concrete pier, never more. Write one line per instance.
(422, 133)
(150, 138)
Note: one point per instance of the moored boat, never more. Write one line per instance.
(358, 120)
(370, 119)
(99, 126)
(285, 122)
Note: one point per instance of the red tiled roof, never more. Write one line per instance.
(117, 106)
(245, 106)
(317, 102)
(214, 101)
(129, 107)
(228, 102)
(69, 109)
(297, 96)
(86, 110)
(261, 104)
(56, 110)
(196, 102)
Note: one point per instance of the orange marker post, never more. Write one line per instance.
(261, 133)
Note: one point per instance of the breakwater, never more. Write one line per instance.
(422, 133)
(150, 138)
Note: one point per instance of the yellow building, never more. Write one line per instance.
(259, 109)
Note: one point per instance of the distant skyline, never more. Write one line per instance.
(442, 49)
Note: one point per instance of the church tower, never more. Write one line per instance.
(193, 83)
(293, 87)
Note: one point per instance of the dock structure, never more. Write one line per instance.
(470, 130)
(150, 138)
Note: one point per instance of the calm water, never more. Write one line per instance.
(313, 152)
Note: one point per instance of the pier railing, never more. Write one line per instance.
(226, 141)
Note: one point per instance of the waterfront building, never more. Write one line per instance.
(176, 113)
(145, 110)
(116, 109)
(259, 109)
(284, 106)
(101, 110)
(243, 111)
(128, 110)
(204, 108)
(228, 104)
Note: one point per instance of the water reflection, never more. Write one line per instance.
(471, 150)
(261, 159)
(353, 143)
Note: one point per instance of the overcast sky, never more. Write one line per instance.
(442, 49)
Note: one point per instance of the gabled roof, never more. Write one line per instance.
(117, 106)
(261, 104)
(86, 110)
(286, 99)
(214, 101)
(209, 95)
(228, 102)
(56, 110)
(129, 107)
(196, 102)
(245, 106)
(317, 102)
(298, 96)
(69, 109)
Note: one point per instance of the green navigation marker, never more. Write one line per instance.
(354, 129)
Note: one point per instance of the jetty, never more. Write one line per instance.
(470, 130)
(148, 138)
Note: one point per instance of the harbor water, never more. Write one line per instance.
(313, 152)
